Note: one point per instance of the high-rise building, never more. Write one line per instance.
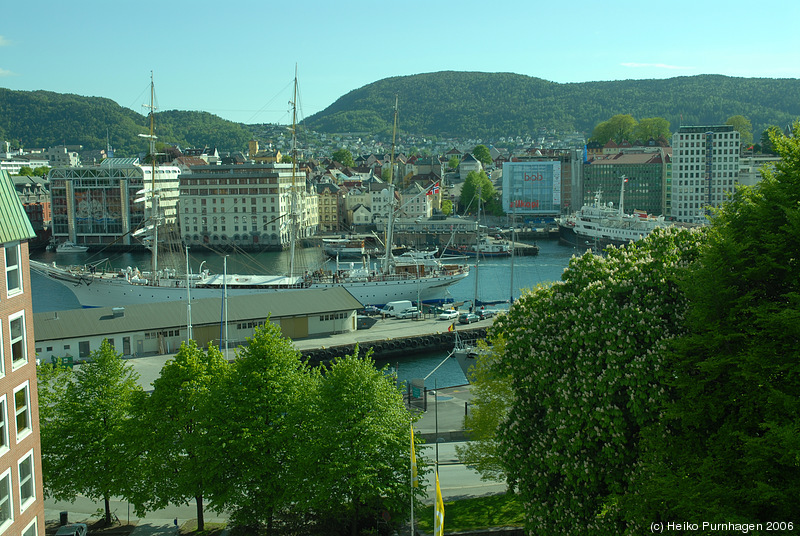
(21, 495)
(705, 170)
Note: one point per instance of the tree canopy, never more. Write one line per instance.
(172, 431)
(586, 375)
(727, 448)
(476, 180)
(742, 125)
(344, 157)
(618, 128)
(482, 154)
(88, 417)
(356, 447)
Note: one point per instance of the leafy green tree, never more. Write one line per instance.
(41, 171)
(469, 189)
(174, 430)
(89, 457)
(727, 448)
(255, 421)
(586, 374)
(447, 207)
(491, 400)
(52, 383)
(482, 154)
(287, 159)
(453, 162)
(344, 157)
(618, 128)
(26, 171)
(357, 450)
(742, 125)
(651, 127)
(767, 146)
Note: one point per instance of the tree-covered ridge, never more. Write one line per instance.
(45, 119)
(502, 104)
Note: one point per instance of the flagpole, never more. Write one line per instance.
(413, 463)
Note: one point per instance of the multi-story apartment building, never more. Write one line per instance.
(247, 205)
(331, 202)
(645, 171)
(21, 495)
(61, 155)
(751, 168)
(705, 170)
(416, 202)
(99, 205)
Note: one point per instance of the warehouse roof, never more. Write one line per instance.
(166, 315)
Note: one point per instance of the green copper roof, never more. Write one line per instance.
(14, 223)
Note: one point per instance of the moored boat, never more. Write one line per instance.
(598, 225)
(70, 247)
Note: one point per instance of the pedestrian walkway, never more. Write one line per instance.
(155, 527)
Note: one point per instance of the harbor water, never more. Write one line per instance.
(494, 284)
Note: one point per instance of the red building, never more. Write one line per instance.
(21, 494)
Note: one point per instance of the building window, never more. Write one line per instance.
(19, 350)
(27, 488)
(30, 530)
(6, 516)
(22, 411)
(13, 272)
(3, 426)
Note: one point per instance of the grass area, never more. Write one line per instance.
(474, 514)
(209, 529)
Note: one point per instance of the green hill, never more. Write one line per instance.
(486, 105)
(44, 118)
(452, 104)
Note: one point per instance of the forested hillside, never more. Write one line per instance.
(44, 118)
(500, 104)
(453, 104)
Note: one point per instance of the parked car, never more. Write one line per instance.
(73, 529)
(468, 318)
(486, 313)
(449, 314)
(411, 312)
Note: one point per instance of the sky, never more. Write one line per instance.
(237, 59)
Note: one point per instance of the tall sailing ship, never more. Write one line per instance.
(391, 280)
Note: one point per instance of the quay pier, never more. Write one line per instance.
(390, 338)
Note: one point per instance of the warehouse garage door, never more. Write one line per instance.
(295, 328)
(206, 334)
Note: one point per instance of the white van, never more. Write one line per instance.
(394, 307)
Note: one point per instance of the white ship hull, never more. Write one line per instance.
(110, 291)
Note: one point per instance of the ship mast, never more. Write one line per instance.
(387, 263)
(153, 195)
(293, 230)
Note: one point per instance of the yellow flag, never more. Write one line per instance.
(452, 327)
(438, 514)
(414, 478)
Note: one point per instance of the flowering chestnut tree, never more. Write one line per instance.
(585, 362)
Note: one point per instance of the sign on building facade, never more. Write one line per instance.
(532, 187)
